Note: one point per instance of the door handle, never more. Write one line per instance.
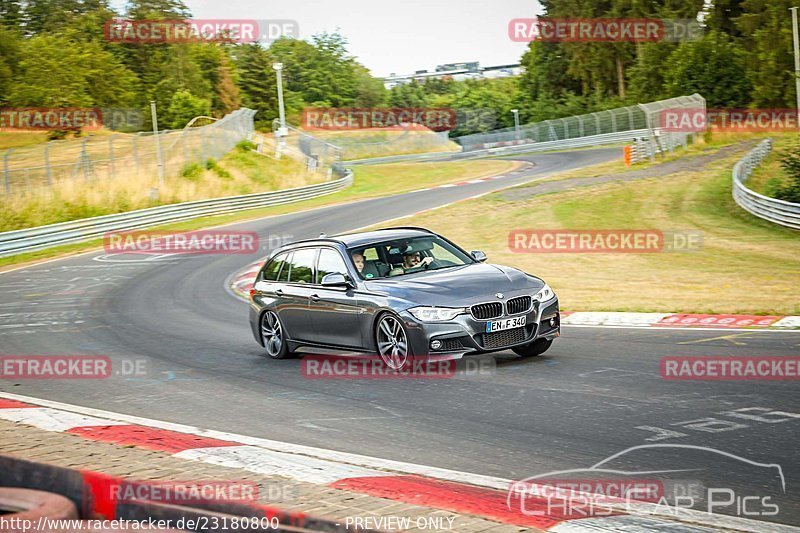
(314, 297)
(279, 292)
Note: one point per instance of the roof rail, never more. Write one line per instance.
(426, 230)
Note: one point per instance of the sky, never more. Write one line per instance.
(399, 36)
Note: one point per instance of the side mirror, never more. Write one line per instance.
(335, 279)
(478, 256)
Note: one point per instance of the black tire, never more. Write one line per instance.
(273, 336)
(533, 349)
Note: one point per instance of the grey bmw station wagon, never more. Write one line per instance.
(397, 292)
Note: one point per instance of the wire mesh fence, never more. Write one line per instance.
(329, 146)
(642, 116)
(113, 156)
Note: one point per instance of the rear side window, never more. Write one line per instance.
(287, 265)
(302, 270)
(272, 270)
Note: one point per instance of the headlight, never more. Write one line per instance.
(435, 314)
(544, 294)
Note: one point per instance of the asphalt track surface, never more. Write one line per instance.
(597, 392)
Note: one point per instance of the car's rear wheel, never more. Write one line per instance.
(273, 336)
(533, 349)
(392, 341)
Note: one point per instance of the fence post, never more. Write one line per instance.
(185, 148)
(111, 166)
(135, 152)
(613, 121)
(580, 126)
(47, 167)
(6, 171)
(85, 159)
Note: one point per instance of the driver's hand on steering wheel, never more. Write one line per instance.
(426, 261)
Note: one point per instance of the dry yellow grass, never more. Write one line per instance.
(240, 172)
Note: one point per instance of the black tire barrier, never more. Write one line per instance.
(27, 504)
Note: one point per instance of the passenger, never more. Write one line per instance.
(358, 260)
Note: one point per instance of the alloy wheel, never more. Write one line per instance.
(272, 333)
(392, 342)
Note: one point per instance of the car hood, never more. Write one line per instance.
(457, 286)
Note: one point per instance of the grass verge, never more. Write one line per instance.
(770, 176)
(746, 265)
(369, 182)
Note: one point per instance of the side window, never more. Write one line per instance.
(303, 265)
(440, 253)
(287, 266)
(330, 261)
(270, 273)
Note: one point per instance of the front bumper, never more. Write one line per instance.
(464, 334)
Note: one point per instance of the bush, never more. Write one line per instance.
(790, 191)
(192, 172)
(213, 166)
(246, 146)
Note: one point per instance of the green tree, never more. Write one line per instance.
(766, 31)
(714, 67)
(258, 82)
(11, 13)
(183, 107)
(408, 95)
(9, 60)
(370, 91)
(60, 72)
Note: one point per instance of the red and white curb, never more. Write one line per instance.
(679, 320)
(449, 490)
(462, 183)
(242, 281)
(522, 168)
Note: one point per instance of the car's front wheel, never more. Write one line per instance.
(535, 348)
(392, 341)
(273, 336)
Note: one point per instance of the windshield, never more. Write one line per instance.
(407, 256)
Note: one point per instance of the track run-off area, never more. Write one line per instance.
(597, 392)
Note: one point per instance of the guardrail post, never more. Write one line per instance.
(6, 171)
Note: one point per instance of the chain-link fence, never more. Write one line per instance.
(114, 156)
(639, 117)
(383, 142)
(326, 147)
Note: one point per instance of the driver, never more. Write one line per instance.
(414, 260)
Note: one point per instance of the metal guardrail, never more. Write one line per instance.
(29, 240)
(566, 144)
(771, 209)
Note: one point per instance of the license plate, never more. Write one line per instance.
(506, 323)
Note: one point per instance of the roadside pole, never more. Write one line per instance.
(159, 155)
(796, 39)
